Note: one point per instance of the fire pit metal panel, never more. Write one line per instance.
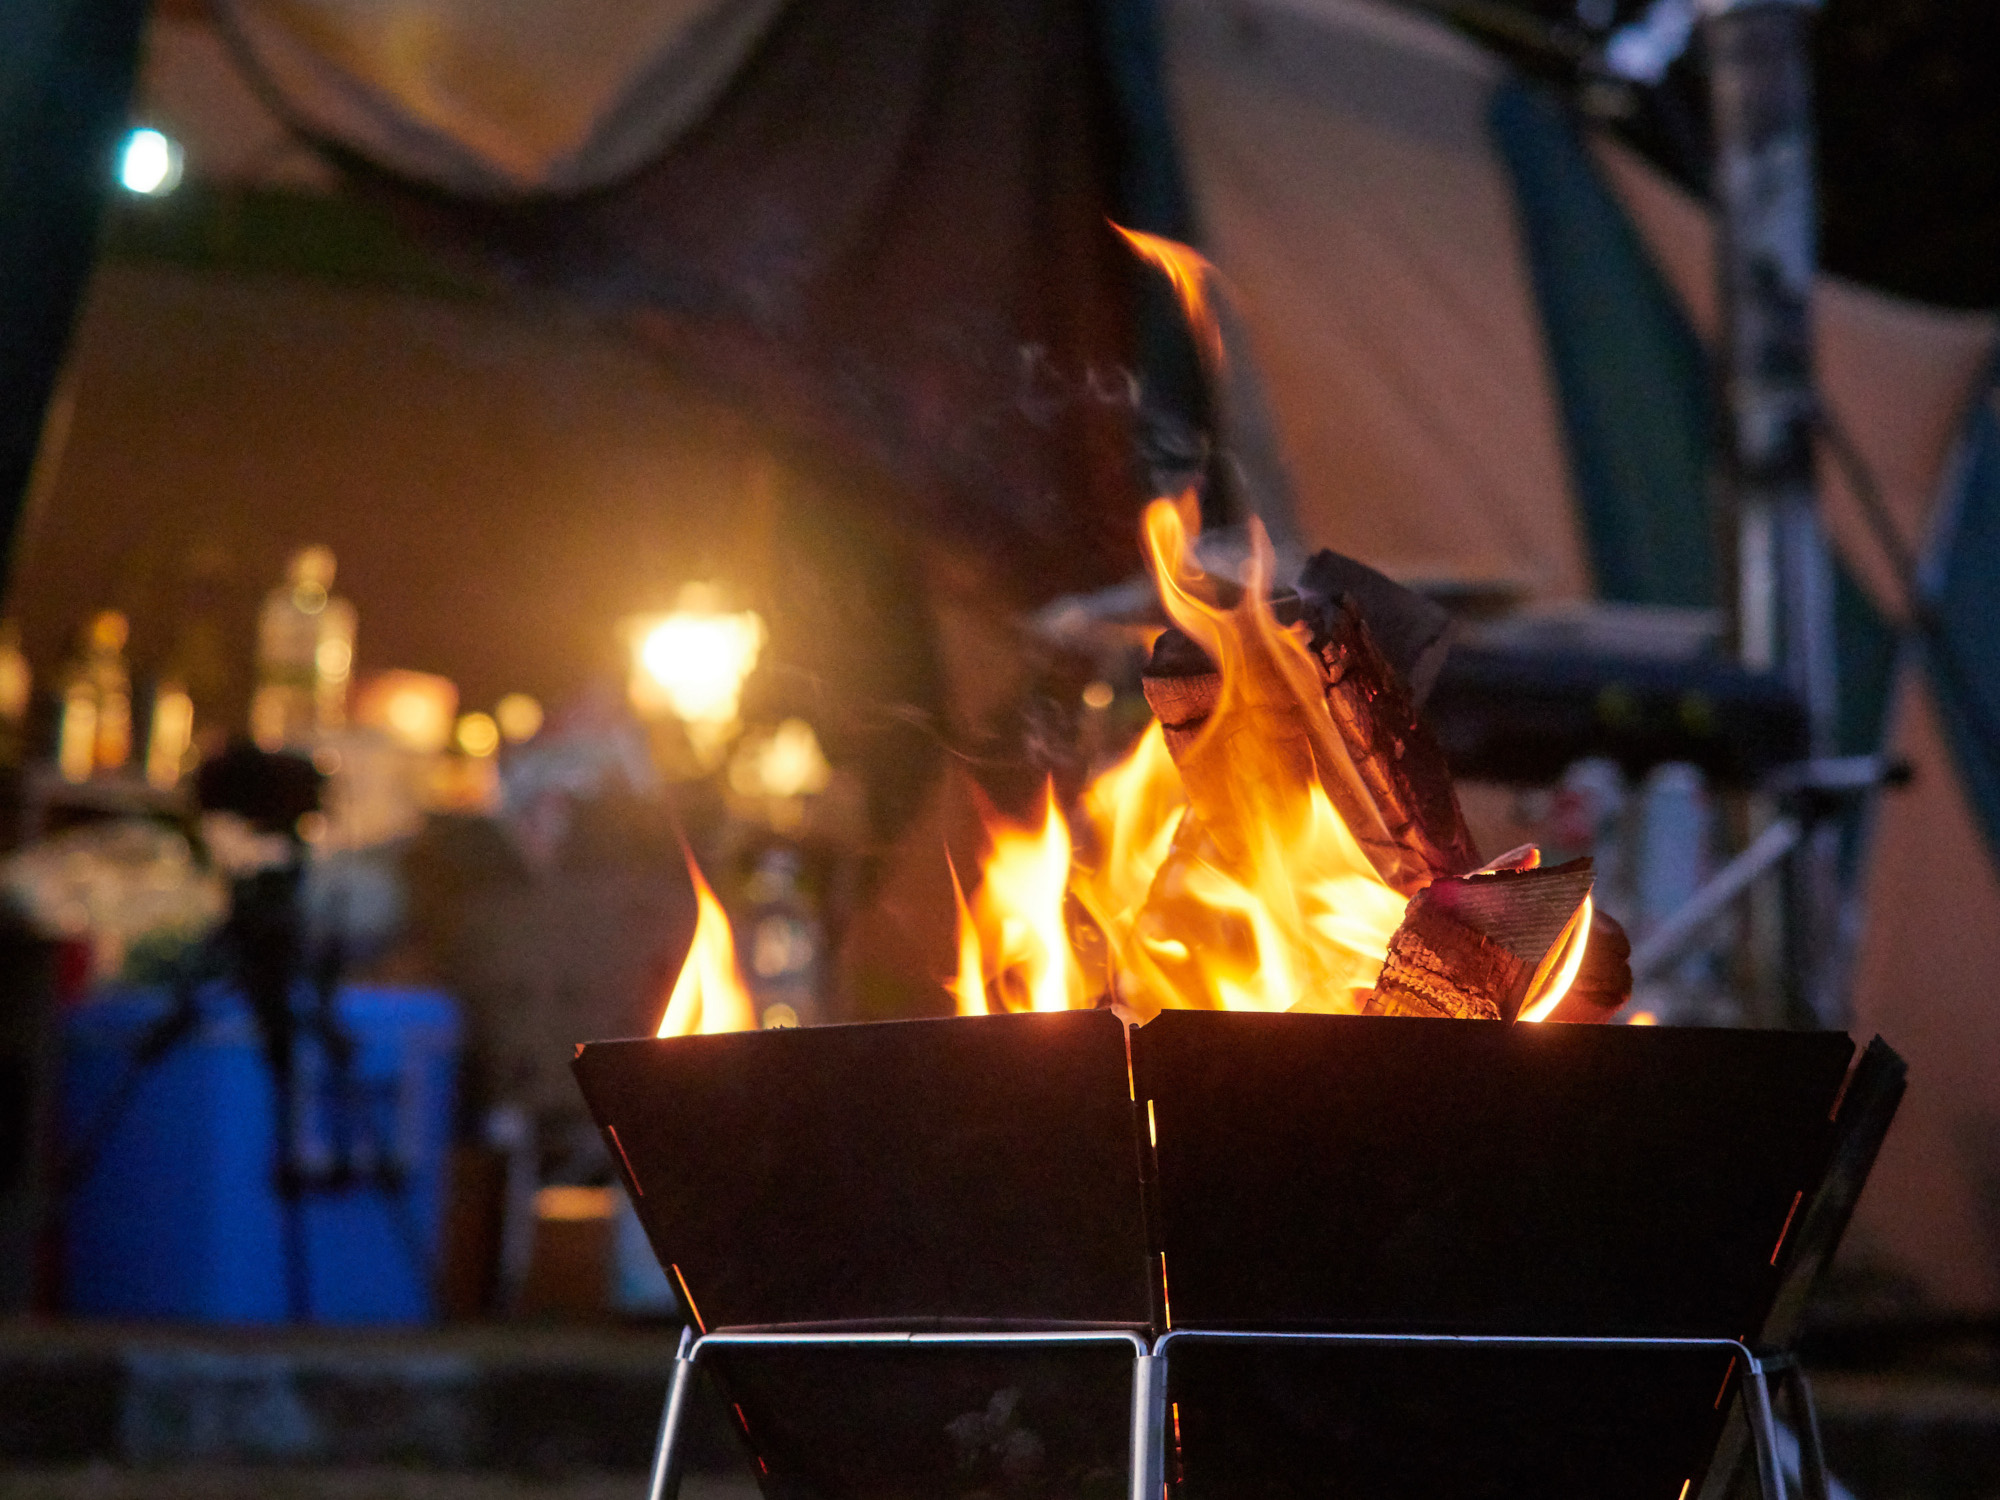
(1413, 1422)
(918, 1171)
(1402, 1174)
(934, 1423)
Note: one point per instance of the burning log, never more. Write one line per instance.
(1380, 768)
(1393, 749)
(1604, 982)
(1489, 946)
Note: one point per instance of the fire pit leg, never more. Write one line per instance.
(1149, 1426)
(1763, 1431)
(665, 1482)
(1804, 1411)
(1812, 1452)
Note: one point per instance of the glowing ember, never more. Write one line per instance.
(710, 994)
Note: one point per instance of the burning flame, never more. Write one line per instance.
(1014, 942)
(1559, 968)
(1283, 910)
(1131, 811)
(1219, 876)
(1238, 888)
(710, 994)
(1190, 276)
(1272, 905)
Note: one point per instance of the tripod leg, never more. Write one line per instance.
(298, 1288)
(665, 1482)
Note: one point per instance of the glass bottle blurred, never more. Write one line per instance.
(305, 655)
(169, 734)
(785, 941)
(15, 682)
(94, 726)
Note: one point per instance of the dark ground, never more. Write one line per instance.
(527, 1412)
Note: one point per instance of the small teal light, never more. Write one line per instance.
(149, 164)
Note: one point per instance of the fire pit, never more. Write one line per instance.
(1571, 1237)
(1239, 1125)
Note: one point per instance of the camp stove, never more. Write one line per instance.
(1052, 1254)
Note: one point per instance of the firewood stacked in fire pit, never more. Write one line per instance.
(1473, 944)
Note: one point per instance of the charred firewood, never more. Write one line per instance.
(1476, 947)
(1249, 761)
(1380, 767)
(1604, 983)
(1393, 749)
(1413, 632)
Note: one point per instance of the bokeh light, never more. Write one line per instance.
(149, 164)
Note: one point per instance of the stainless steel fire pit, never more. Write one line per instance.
(1288, 1254)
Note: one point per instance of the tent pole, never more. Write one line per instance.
(1781, 595)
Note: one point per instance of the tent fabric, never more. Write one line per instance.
(889, 236)
(1959, 586)
(1633, 376)
(1347, 187)
(499, 98)
(1638, 402)
(66, 70)
(1897, 375)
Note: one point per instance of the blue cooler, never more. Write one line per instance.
(177, 1214)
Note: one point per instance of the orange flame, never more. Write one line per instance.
(1191, 277)
(1131, 811)
(1013, 937)
(1559, 967)
(1276, 906)
(1217, 877)
(1279, 910)
(709, 995)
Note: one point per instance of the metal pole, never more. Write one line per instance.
(1763, 1431)
(664, 1482)
(1812, 1452)
(1781, 601)
(1149, 1427)
(1667, 941)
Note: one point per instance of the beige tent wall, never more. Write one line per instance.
(1345, 185)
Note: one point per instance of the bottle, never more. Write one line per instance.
(785, 941)
(170, 735)
(305, 655)
(94, 731)
(16, 680)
